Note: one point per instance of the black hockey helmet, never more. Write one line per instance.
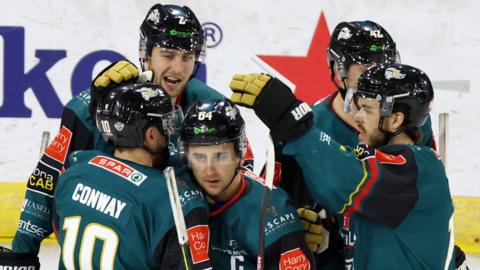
(124, 114)
(360, 42)
(392, 84)
(213, 121)
(170, 26)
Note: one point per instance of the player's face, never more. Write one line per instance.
(214, 166)
(367, 118)
(172, 68)
(354, 72)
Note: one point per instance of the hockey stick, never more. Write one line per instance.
(44, 142)
(269, 173)
(442, 136)
(177, 211)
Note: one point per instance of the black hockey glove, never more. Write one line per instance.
(13, 260)
(274, 103)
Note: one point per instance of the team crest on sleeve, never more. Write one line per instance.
(119, 168)
(294, 259)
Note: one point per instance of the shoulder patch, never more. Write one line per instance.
(58, 148)
(389, 159)
(363, 151)
(294, 259)
(119, 168)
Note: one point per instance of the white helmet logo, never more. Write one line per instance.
(148, 93)
(393, 73)
(154, 16)
(231, 112)
(119, 126)
(344, 33)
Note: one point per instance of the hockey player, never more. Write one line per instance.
(174, 69)
(353, 47)
(213, 143)
(113, 211)
(395, 197)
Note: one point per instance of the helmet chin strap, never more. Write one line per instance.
(343, 91)
(389, 135)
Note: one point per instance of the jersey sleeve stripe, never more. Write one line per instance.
(372, 163)
(350, 197)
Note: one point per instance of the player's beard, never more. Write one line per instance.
(160, 158)
(376, 139)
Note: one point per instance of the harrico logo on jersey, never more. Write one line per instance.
(294, 259)
(393, 73)
(119, 168)
(198, 240)
(58, 148)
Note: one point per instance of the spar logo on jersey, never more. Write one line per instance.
(198, 239)
(58, 148)
(121, 169)
(294, 259)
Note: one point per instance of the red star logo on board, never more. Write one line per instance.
(309, 73)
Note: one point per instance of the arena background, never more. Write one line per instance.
(50, 49)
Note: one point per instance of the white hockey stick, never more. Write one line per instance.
(44, 142)
(443, 136)
(269, 173)
(178, 217)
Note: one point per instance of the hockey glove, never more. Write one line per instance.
(116, 73)
(14, 260)
(274, 103)
(316, 234)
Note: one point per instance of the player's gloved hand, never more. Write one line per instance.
(274, 103)
(14, 260)
(118, 72)
(316, 234)
(114, 74)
